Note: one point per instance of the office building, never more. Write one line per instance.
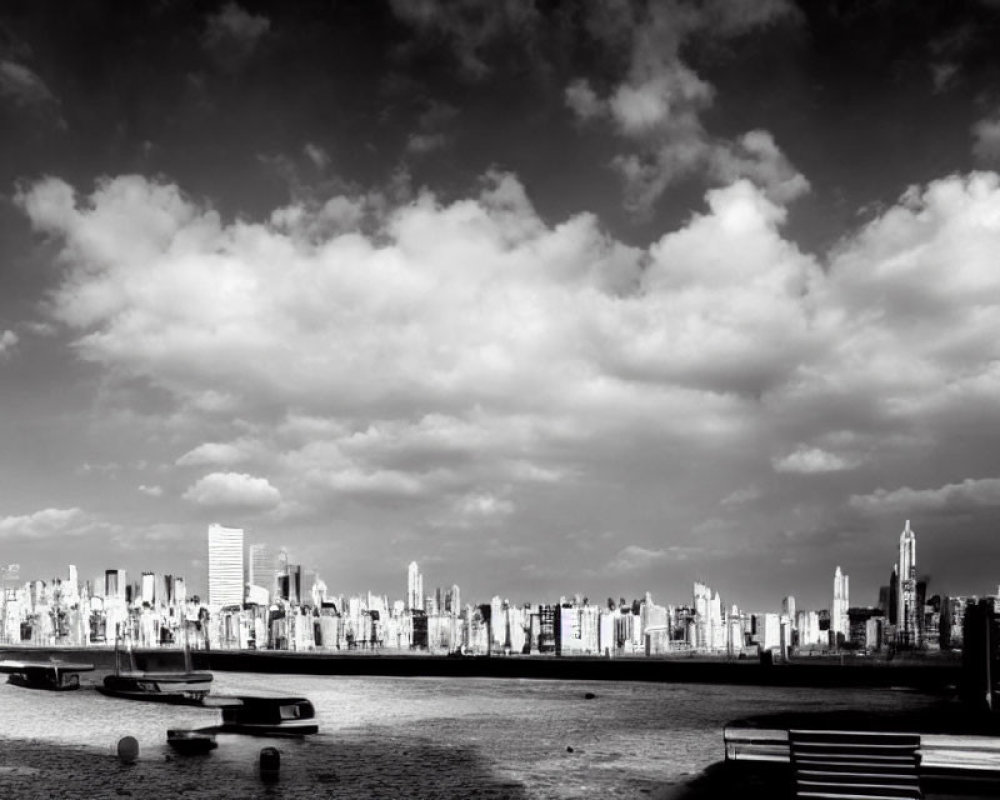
(264, 567)
(225, 566)
(907, 608)
(414, 588)
(840, 625)
(114, 584)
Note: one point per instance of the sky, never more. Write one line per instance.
(550, 297)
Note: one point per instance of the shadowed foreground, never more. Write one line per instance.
(351, 769)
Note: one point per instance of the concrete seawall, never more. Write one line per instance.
(933, 675)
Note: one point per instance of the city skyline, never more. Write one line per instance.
(273, 564)
(543, 297)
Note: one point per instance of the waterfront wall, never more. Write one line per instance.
(934, 675)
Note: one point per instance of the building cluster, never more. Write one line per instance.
(258, 599)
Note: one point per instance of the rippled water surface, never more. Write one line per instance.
(627, 741)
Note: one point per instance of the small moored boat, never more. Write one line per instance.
(191, 742)
(262, 715)
(56, 676)
(162, 686)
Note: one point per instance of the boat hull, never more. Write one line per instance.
(253, 715)
(46, 681)
(191, 742)
(159, 687)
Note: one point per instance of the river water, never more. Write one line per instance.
(416, 737)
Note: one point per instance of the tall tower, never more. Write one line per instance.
(264, 570)
(908, 615)
(225, 565)
(839, 621)
(414, 588)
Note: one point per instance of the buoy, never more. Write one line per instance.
(270, 763)
(589, 696)
(569, 749)
(127, 749)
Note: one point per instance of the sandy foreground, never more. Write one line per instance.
(32, 770)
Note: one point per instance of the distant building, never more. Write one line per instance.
(839, 622)
(114, 584)
(807, 625)
(414, 588)
(909, 611)
(263, 566)
(788, 608)
(147, 591)
(225, 566)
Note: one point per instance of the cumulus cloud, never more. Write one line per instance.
(969, 494)
(44, 524)
(232, 35)
(233, 490)
(214, 454)
(434, 351)
(151, 491)
(811, 460)
(8, 341)
(657, 108)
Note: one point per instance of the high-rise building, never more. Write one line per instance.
(147, 592)
(710, 631)
(894, 595)
(114, 584)
(414, 588)
(73, 584)
(788, 609)
(225, 565)
(264, 570)
(453, 600)
(839, 620)
(908, 613)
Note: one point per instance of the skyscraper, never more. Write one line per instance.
(263, 562)
(225, 565)
(147, 592)
(414, 588)
(908, 614)
(114, 583)
(839, 621)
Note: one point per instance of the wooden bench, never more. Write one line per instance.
(845, 765)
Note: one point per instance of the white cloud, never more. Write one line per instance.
(657, 108)
(214, 453)
(812, 460)
(233, 490)
(44, 524)
(969, 494)
(151, 491)
(8, 341)
(393, 363)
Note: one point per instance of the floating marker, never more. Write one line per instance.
(127, 749)
(270, 764)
